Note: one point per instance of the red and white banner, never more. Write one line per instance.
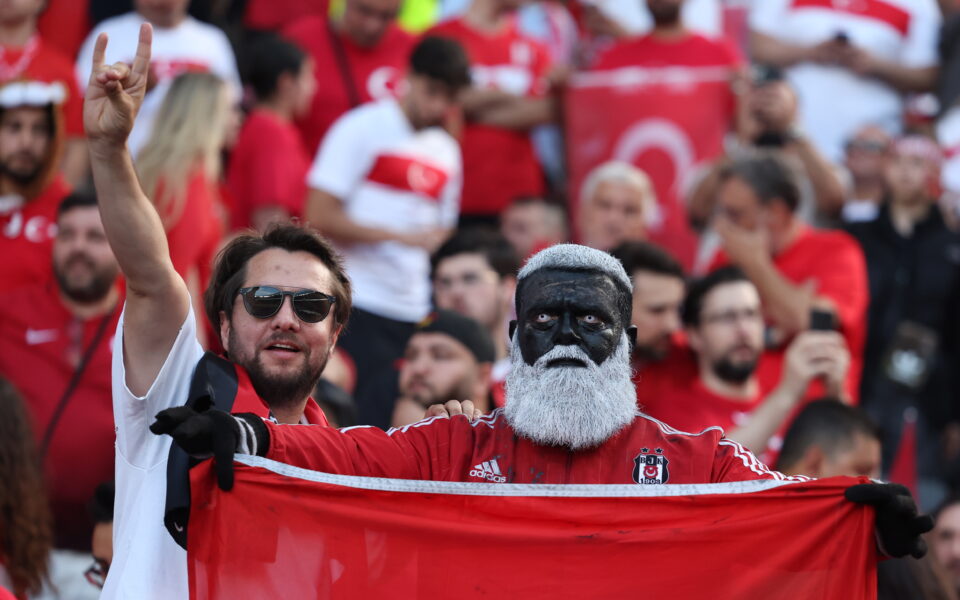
(668, 121)
(285, 532)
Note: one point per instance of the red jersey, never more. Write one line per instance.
(27, 229)
(489, 450)
(688, 107)
(41, 343)
(39, 60)
(195, 236)
(268, 168)
(499, 165)
(65, 23)
(272, 15)
(373, 72)
(833, 262)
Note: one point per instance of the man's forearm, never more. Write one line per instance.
(519, 114)
(325, 212)
(788, 305)
(130, 220)
(905, 79)
(769, 50)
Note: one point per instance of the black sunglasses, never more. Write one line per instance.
(264, 301)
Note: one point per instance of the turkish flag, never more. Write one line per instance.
(285, 532)
(668, 121)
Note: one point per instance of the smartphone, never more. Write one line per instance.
(823, 320)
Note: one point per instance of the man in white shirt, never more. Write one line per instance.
(850, 62)
(385, 187)
(180, 44)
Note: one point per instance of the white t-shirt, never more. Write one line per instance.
(147, 563)
(189, 46)
(834, 102)
(391, 177)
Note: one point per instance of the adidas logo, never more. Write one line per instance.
(488, 470)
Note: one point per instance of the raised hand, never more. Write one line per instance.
(116, 91)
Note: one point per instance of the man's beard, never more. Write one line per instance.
(94, 289)
(572, 407)
(652, 352)
(734, 372)
(280, 391)
(22, 177)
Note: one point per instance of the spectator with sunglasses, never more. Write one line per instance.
(276, 349)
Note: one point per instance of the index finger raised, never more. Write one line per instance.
(99, 51)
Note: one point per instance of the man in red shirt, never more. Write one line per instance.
(268, 169)
(55, 348)
(30, 186)
(799, 271)
(509, 97)
(570, 415)
(683, 80)
(360, 57)
(724, 330)
(24, 54)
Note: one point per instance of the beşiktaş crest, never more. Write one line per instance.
(650, 467)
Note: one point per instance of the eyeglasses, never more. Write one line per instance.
(264, 301)
(97, 572)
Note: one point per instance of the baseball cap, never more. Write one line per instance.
(463, 329)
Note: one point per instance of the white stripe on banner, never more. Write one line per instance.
(510, 489)
(648, 76)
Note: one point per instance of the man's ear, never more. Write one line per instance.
(512, 328)
(224, 332)
(631, 332)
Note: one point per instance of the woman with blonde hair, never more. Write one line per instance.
(25, 520)
(180, 168)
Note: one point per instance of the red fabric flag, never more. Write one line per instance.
(285, 532)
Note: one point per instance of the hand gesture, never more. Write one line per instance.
(742, 246)
(115, 92)
(898, 524)
(214, 433)
(816, 354)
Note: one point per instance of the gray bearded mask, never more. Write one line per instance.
(568, 406)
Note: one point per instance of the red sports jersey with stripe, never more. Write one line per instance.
(27, 229)
(488, 450)
(499, 165)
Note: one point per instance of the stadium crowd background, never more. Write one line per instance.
(781, 179)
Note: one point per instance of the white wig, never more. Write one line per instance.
(573, 257)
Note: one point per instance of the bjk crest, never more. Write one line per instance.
(650, 467)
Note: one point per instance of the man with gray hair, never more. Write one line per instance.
(570, 415)
(617, 204)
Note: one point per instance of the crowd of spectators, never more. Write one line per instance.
(780, 179)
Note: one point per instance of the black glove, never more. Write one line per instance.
(214, 433)
(898, 525)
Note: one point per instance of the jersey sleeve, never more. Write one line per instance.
(418, 451)
(733, 462)
(338, 165)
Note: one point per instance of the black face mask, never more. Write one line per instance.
(557, 308)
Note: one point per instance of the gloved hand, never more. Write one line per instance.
(214, 433)
(898, 525)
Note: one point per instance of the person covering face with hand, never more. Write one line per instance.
(570, 415)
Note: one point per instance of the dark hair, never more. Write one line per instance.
(267, 58)
(442, 59)
(767, 174)
(644, 256)
(699, 288)
(25, 518)
(827, 423)
(231, 268)
(76, 200)
(495, 248)
(101, 505)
